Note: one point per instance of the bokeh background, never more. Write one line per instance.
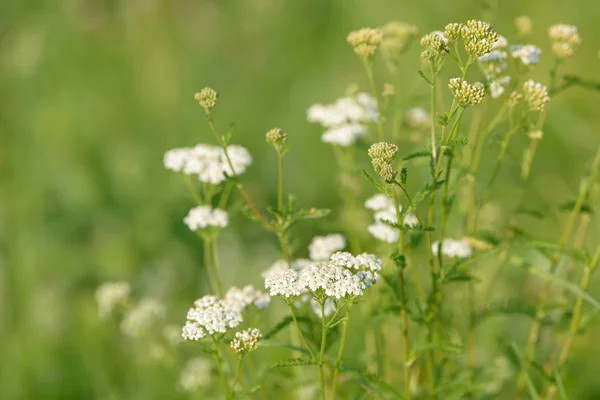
(93, 92)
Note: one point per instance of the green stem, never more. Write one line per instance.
(432, 112)
(403, 313)
(322, 352)
(237, 374)
(340, 351)
(369, 70)
(206, 254)
(220, 366)
(302, 337)
(567, 231)
(214, 264)
(280, 182)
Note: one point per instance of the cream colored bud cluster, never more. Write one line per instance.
(397, 36)
(435, 45)
(524, 25)
(365, 41)
(276, 137)
(246, 341)
(565, 40)
(382, 154)
(536, 95)
(513, 99)
(453, 31)
(479, 37)
(207, 98)
(465, 93)
(389, 90)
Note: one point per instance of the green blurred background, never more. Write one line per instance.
(92, 93)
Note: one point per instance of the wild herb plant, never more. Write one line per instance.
(423, 286)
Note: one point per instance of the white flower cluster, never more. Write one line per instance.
(418, 118)
(385, 211)
(195, 374)
(495, 61)
(528, 54)
(342, 276)
(346, 119)
(202, 217)
(322, 247)
(240, 299)
(141, 317)
(282, 265)
(209, 316)
(453, 248)
(208, 162)
(246, 341)
(109, 295)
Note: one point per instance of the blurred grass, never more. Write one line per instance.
(93, 92)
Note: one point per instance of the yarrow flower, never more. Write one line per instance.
(418, 118)
(536, 95)
(209, 316)
(201, 217)
(207, 98)
(276, 137)
(111, 294)
(453, 248)
(565, 40)
(524, 25)
(528, 54)
(382, 154)
(379, 202)
(346, 119)
(465, 93)
(142, 317)
(494, 62)
(195, 374)
(479, 37)
(246, 341)
(397, 37)
(322, 247)
(498, 86)
(208, 163)
(342, 276)
(435, 46)
(365, 41)
(386, 212)
(240, 299)
(282, 265)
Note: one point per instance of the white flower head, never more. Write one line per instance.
(240, 299)
(283, 283)
(453, 248)
(418, 118)
(142, 317)
(344, 135)
(109, 295)
(378, 202)
(322, 247)
(246, 341)
(528, 54)
(202, 217)
(384, 233)
(209, 316)
(498, 86)
(196, 373)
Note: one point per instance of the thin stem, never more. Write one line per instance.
(369, 70)
(403, 313)
(567, 231)
(432, 112)
(282, 237)
(302, 337)
(340, 350)
(214, 264)
(192, 189)
(220, 366)
(322, 352)
(206, 255)
(280, 182)
(237, 374)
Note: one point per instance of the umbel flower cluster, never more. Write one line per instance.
(384, 214)
(246, 341)
(210, 164)
(343, 276)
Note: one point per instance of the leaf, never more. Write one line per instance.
(311, 213)
(570, 205)
(505, 308)
(571, 252)
(576, 290)
(229, 134)
(293, 362)
(457, 277)
(450, 348)
(531, 212)
(277, 328)
(336, 321)
(418, 154)
(559, 385)
(456, 142)
(532, 392)
(422, 74)
(372, 182)
(403, 176)
(399, 260)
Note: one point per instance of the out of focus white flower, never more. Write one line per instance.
(109, 295)
(565, 39)
(418, 118)
(240, 299)
(142, 317)
(345, 120)
(196, 373)
(384, 232)
(528, 54)
(411, 220)
(498, 86)
(453, 248)
(246, 341)
(209, 316)
(201, 217)
(378, 202)
(208, 162)
(322, 247)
